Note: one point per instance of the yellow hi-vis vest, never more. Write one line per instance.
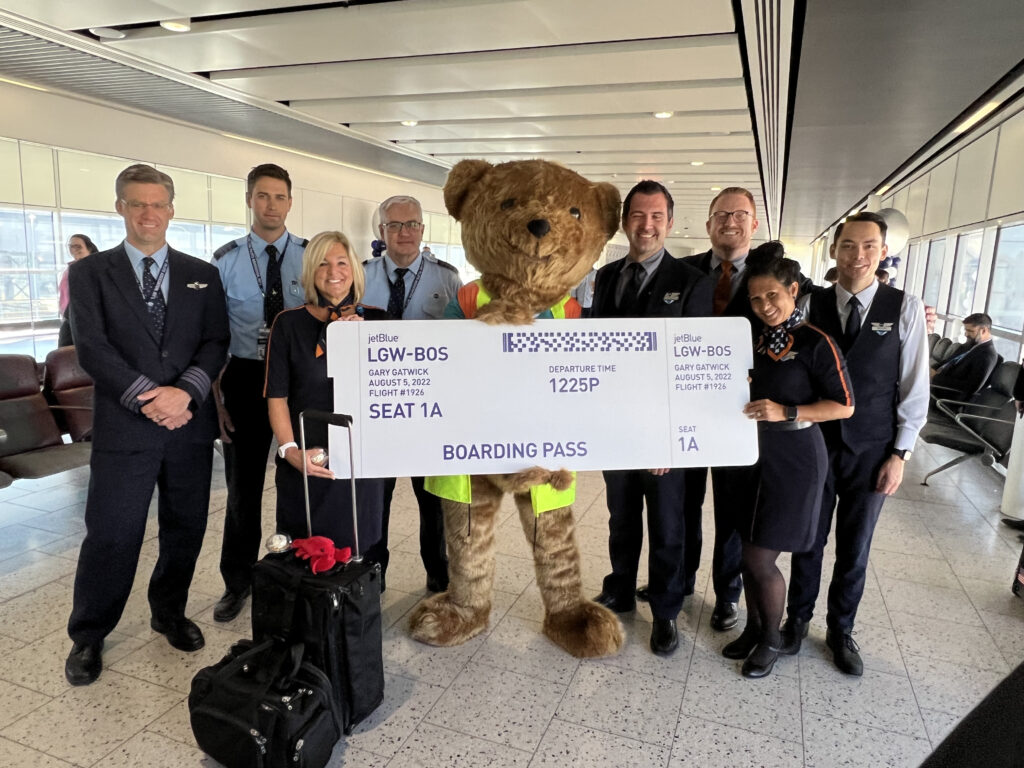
(458, 487)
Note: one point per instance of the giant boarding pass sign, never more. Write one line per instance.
(437, 397)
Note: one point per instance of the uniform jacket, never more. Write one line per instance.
(118, 346)
(676, 289)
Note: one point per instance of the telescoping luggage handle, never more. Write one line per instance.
(337, 420)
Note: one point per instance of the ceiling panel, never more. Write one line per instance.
(101, 13)
(700, 58)
(541, 102)
(424, 27)
(711, 122)
(565, 80)
(707, 148)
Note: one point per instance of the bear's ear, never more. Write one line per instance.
(460, 178)
(608, 199)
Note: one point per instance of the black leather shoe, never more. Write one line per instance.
(229, 605)
(437, 585)
(84, 664)
(741, 647)
(616, 603)
(182, 633)
(664, 637)
(793, 633)
(1015, 524)
(724, 617)
(845, 652)
(760, 661)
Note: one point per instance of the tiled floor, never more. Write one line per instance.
(938, 628)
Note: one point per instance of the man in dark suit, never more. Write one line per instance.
(732, 221)
(648, 282)
(965, 373)
(151, 328)
(882, 333)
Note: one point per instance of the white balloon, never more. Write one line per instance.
(898, 231)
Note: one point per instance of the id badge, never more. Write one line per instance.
(262, 336)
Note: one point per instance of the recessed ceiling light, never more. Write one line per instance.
(663, 115)
(696, 162)
(976, 117)
(676, 232)
(716, 189)
(883, 190)
(671, 181)
(410, 123)
(177, 25)
(107, 33)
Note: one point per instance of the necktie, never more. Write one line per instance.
(723, 288)
(396, 304)
(631, 293)
(155, 304)
(273, 299)
(852, 323)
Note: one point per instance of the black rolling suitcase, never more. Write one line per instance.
(335, 614)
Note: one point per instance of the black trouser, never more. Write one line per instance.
(626, 491)
(851, 478)
(733, 487)
(245, 469)
(121, 487)
(432, 547)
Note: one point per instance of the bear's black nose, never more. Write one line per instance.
(539, 227)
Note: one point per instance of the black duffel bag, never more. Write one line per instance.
(263, 706)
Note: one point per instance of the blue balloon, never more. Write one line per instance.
(897, 260)
(886, 262)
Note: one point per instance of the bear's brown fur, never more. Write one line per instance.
(533, 229)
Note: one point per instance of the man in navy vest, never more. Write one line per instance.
(882, 332)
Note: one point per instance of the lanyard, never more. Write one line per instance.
(255, 264)
(415, 282)
(148, 297)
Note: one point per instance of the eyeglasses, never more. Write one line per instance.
(723, 216)
(137, 206)
(394, 227)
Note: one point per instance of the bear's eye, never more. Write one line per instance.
(506, 204)
(574, 212)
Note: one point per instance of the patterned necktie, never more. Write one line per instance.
(155, 304)
(852, 323)
(631, 293)
(273, 299)
(723, 288)
(396, 304)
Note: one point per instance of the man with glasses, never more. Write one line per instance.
(261, 276)
(151, 328)
(412, 285)
(969, 369)
(732, 221)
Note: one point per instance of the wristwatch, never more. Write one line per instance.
(903, 453)
(284, 448)
(791, 413)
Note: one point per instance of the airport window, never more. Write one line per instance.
(933, 272)
(965, 274)
(1007, 285)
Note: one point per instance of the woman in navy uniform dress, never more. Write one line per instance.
(333, 281)
(799, 378)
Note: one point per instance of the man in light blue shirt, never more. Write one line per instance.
(411, 285)
(261, 273)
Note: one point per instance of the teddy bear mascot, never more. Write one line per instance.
(533, 229)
